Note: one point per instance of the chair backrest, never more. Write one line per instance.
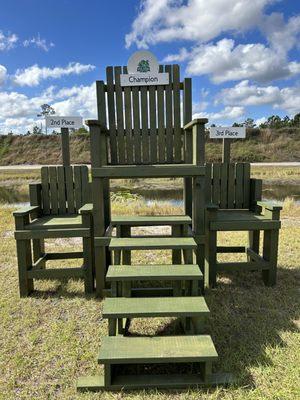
(228, 185)
(64, 189)
(145, 122)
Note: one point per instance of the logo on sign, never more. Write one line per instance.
(143, 70)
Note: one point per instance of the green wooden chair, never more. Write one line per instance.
(54, 212)
(234, 204)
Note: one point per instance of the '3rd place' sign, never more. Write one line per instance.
(224, 132)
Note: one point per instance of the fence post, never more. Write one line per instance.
(226, 151)
(65, 146)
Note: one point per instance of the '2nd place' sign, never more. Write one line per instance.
(221, 132)
(54, 121)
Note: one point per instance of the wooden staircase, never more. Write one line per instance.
(191, 354)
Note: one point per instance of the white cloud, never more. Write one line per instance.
(196, 20)
(181, 56)
(3, 74)
(38, 42)
(224, 61)
(18, 112)
(246, 94)
(8, 41)
(227, 114)
(33, 75)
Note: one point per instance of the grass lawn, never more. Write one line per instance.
(52, 337)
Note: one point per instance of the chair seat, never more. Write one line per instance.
(56, 222)
(241, 220)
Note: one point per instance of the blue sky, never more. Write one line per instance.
(243, 55)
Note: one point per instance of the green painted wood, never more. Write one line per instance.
(169, 116)
(239, 189)
(77, 186)
(154, 171)
(136, 125)
(53, 221)
(45, 190)
(101, 102)
(65, 146)
(187, 306)
(188, 143)
(144, 121)
(61, 190)
(231, 186)
(246, 187)
(224, 185)
(86, 195)
(111, 114)
(226, 151)
(270, 254)
(256, 224)
(151, 243)
(216, 184)
(57, 273)
(152, 120)
(120, 115)
(241, 266)
(64, 255)
(208, 181)
(70, 189)
(128, 122)
(164, 349)
(161, 122)
(145, 220)
(52, 233)
(177, 112)
(151, 272)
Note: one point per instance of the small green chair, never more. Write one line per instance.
(234, 204)
(56, 205)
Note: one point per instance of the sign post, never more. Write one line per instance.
(227, 134)
(64, 123)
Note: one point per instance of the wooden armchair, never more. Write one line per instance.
(57, 210)
(234, 204)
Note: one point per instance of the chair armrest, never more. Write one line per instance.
(269, 206)
(197, 121)
(86, 209)
(25, 211)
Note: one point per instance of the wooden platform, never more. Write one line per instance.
(120, 307)
(152, 243)
(151, 272)
(151, 220)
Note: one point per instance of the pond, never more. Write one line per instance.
(273, 192)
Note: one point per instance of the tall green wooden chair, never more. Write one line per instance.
(235, 205)
(54, 212)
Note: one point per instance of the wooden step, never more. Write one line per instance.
(121, 307)
(153, 272)
(157, 349)
(144, 220)
(152, 243)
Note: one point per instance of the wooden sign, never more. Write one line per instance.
(143, 70)
(53, 121)
(221, 132)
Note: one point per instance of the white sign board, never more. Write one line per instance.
(225, 132)
(143, 70)
(53, 121)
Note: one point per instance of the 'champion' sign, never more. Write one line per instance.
(143, 71)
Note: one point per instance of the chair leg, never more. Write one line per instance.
(211, 258)
(38, 249)
(125, 231)
(24, 264)
(176, 254)
(88, 264)
(270, 252)
(253, 242)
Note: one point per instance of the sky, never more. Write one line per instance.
(243, 55)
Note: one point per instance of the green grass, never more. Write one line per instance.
(52, 337)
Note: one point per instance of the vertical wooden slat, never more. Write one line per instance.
(224, 186)
(230, 190)
(101, 102)
(120, 116)
(216, 184)
(77, 186)
(246, 194)
(239, 175)
(188, 143)
(161, 121)
(53, 190)
(145, 133)
(61, 190)
(86, 187)
(70, 189)
(176, 104)
(169, 114)
(136, 124)
(45, 190)
(208, 196)
(128, 122)
(152, 116)
(111, 114)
